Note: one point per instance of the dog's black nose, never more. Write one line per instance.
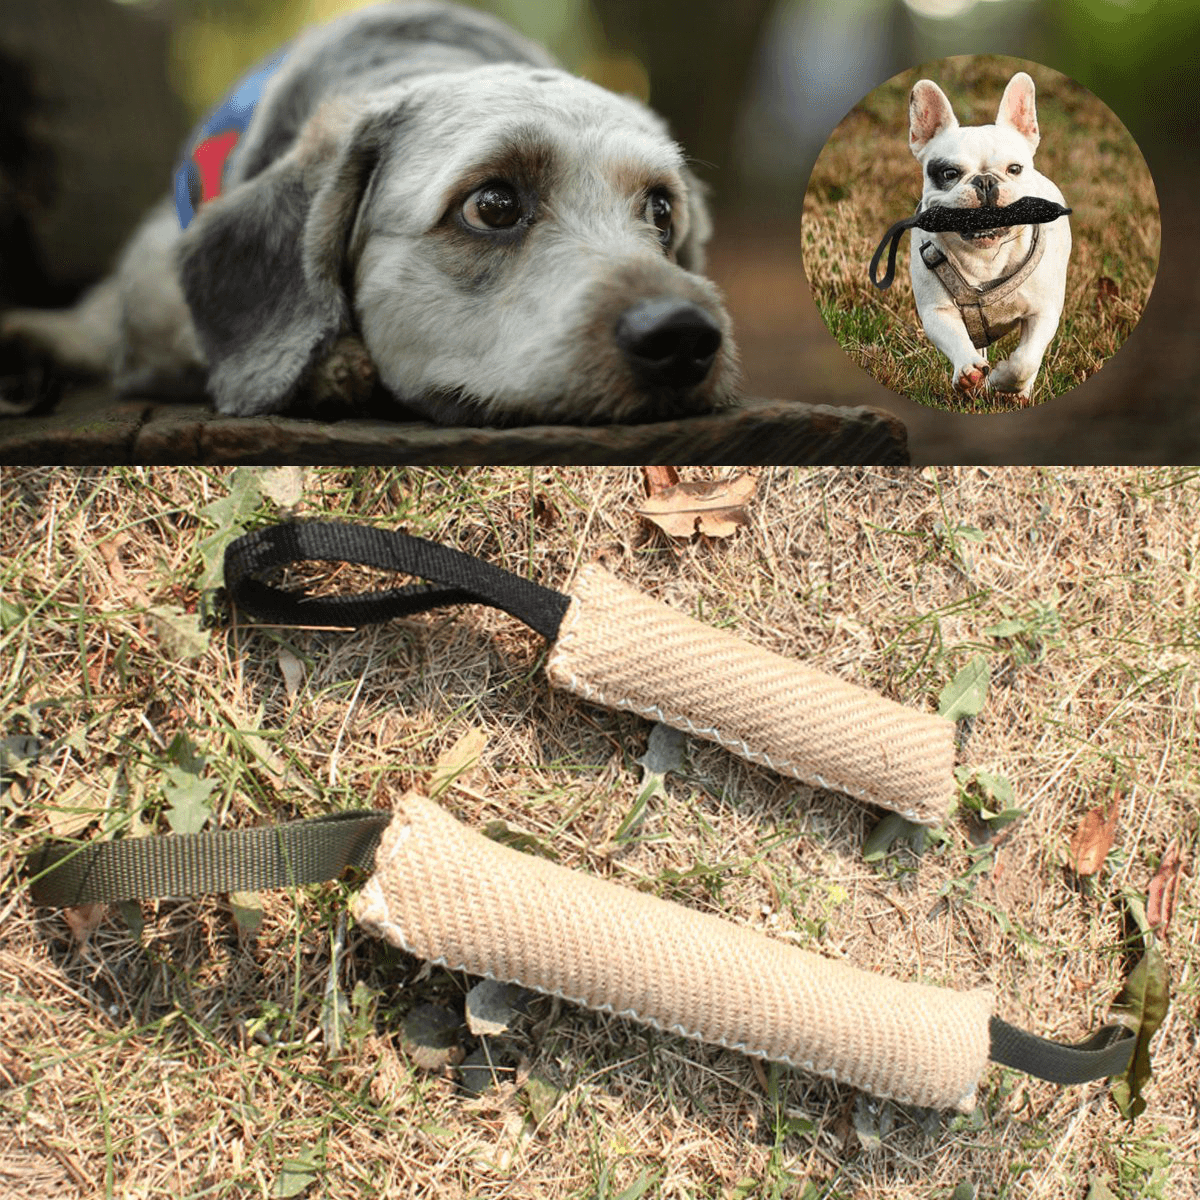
(668, 343)
(988, 187)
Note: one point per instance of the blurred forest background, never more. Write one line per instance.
(96, 97)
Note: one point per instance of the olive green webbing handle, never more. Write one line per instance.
(194, 864)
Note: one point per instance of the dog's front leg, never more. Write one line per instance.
(945, 329)
(1017, 372)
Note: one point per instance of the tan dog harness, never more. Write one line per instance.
(989, 310)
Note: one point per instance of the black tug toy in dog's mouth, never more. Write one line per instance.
(973, 223)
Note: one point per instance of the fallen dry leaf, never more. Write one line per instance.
(1106, 289)
(659, 479)
(713, 508)
(84, 919)
(1160, 900)
(129, 592)
(292, 670)
(74, 807)
(1094, 838)
(458, 760)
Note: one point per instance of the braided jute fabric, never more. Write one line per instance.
(453, 896)
(623, 649)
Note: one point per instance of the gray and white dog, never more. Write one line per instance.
(971, 289)
(421, 194)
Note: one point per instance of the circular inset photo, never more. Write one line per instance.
(981, 234)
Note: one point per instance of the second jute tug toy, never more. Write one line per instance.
(450, 895)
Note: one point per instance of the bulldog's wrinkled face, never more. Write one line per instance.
(976, 166)
(526, 250)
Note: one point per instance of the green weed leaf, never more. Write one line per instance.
(228, 517)
(187, 798)
(639, 1187)
(181, 636)
(1013, 627)
(247, 911)
(297, 1175)
(964, 695)
(11, 614)
(1099, 1189)
(893, 828)
(664, 753)
(991, 797)
(283, 486)
(431, 1035)
(186, 792)
(1145, 999)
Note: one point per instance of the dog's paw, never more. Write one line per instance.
(969, 379)
(341, 384)
(1006, 379)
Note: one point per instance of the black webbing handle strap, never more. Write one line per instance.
(454, 578)
(1030, 210)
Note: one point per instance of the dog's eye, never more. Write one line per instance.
(658, 213)
(493, 206)
(1015, 168)
(949, 175)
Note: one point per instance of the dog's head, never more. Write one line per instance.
(975, 166)
(513, 244)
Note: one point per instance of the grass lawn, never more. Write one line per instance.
(268, 1047)
(866, 179)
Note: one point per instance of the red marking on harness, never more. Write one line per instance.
(209, 158)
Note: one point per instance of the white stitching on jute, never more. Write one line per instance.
(569, 633)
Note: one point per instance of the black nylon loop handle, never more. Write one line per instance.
(1030, 210)
(455, 578)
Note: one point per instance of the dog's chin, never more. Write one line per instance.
(459, 408)
(983, 239)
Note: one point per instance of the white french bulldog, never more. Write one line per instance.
(973, 288)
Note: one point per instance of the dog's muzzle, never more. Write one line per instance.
(988, 187)
(668, 343)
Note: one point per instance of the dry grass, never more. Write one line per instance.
(186, 1058)
(866, 179)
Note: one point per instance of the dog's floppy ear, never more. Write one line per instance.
(929, 112)
(690, 252)
(1018, 108)
(262, 266)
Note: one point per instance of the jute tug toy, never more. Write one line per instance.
(448, 894)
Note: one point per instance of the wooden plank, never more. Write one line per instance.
(91, 427)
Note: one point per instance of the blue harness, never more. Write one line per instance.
(202, 173)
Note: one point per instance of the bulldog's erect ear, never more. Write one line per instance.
(1018, 109)
(929, 112)
(690, 252)
(263, 266)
